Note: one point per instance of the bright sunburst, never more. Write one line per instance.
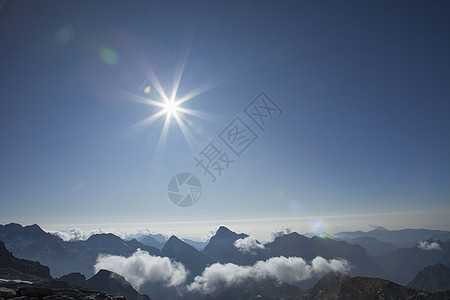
(171, 105)
(171, 108)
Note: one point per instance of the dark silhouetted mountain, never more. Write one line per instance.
(148, 240)
(104, 281)
(159, 238)
(221, 249)
(432, 278)
(88, 251)
(16, 272)
(74, 279)
(294, 244)
(402, 265)
(114, 284)
(322, 235)
(372, 245)
(197, 245)
(400, 238)
(7, 260)
(339, 286)
(194, 260)
(32, 243)
(20, 274)
(12, 278)
(109, 243)
(33, 287)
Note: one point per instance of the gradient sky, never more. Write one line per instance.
(364, 137)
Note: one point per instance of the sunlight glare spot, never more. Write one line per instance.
(171, 108)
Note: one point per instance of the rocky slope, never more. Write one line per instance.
(7, 260)
(432, 278)
(29, 279)
(340, 286)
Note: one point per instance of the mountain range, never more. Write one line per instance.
(20, 277)
(403, 264)
(403, 238)
(371, 255)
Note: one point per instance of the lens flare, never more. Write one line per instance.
(64, 35)
(317, 226)
(109, 56)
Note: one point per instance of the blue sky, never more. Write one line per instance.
(364, 135)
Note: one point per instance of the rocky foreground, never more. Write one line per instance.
(22, 279)
(25, 293)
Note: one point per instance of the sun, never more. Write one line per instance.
(171, 108)
(170, 105)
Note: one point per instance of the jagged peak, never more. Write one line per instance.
(104, 274)
(13, 225)
(378, 228)
(174, 239)
(291, 236)
(224, 232)
(100, 236)
(34, 227)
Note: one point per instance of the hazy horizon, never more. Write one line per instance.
(202, 231)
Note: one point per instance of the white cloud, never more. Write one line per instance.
(248, 245)
(281, 269)
(142, 267)
(321, 265)
(218, 275)
(76, 234)
(427, 245)
(279, 232)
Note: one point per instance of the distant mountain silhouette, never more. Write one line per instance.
(400, 238)
(32, 243)
(402, 265)
(221, 248)
(27, 278)
(373, 245)
(294, 244)
(432, 278)
(63, 257)
(194, 260)
(197, 245)
(88, 251)
(149, 240)
(340, 286)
